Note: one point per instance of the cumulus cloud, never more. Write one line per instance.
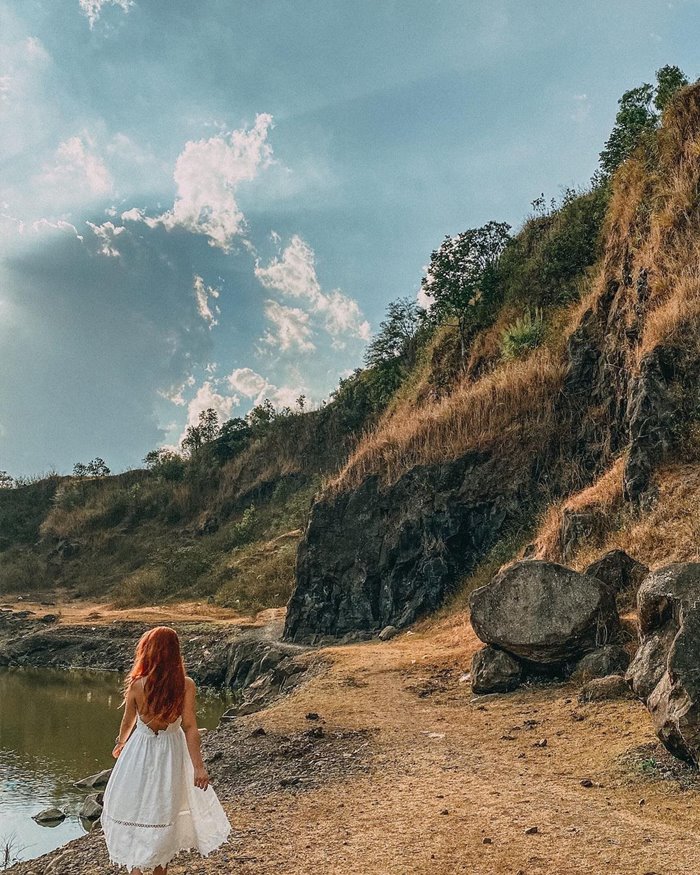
(290, 328)
(294, 273)
(92, 9)
(207, 174)
(206, 397)
(78, 167)
(257, 388)
(203, 294)
(106, 235)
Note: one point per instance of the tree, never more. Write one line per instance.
(639, 113)
(165, 463)
(6, 480)
(395, 332)
(233, 436)
(206, 430)
(261, 415)
(462, 279)
(97, 468)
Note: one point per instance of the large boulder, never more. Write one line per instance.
(495, 671)
(665, 673)
(544, 613)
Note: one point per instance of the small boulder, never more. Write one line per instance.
(621, 572)
(609, 660)
(613, 686)
(665, 672)
(388, 632)
(91, 808)
(50, 817)
(544, 613)
(495, 671)
(94, 782)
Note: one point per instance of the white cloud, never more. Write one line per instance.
(59, 225)
(203, 294)
(256, 387)
(78, 167)
(132, 215)
(207, 397)
(176, 393)
(106, 235)
(207, 174)
(294, 274)
(92, 9)
(290, 328)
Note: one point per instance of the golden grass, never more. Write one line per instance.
(512, 407)
(604, 496)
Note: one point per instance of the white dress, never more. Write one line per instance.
(152, 810)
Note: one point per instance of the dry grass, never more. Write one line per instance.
(509, 410)
(604, 496)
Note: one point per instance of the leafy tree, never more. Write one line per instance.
(261, 415)
(80, 470)
(97, 468)
(165, 463)
(6, 480)
(206, 430)
(462, 279)
(669, 79)
(395, 332)
(639, 113)
(233, 436)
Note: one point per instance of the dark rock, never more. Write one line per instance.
(666, 670)
(385, 555)
(544, 613)
(387, 633)
(652, 413)
(609, 660)
(49, 618)
(577, 527)
(312, 715)
(601, 689)
(91, 808)
(94, 782)
(494, 671)
(50, 817)
(621, 572)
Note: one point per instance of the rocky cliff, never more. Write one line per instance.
(388, 549)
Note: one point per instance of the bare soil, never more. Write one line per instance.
(404, 771)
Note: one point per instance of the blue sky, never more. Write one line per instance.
(205, 204)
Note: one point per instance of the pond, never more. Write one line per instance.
(55, 728)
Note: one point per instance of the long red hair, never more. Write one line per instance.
(158, 660)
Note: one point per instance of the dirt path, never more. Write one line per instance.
(443, 783)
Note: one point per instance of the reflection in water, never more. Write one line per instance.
(57, 727)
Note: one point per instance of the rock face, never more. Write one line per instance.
(621, 572)
(380, 556)
(665, 673)
(544, 613)
(495, 671)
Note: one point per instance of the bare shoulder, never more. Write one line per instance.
(190, 684)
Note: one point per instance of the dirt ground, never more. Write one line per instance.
(426, 778)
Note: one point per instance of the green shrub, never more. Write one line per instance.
(523, 335)
(146, 586)
(21, 570)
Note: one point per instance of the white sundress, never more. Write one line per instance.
(152, 810)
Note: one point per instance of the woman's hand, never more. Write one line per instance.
(201, 778)
(118, 747)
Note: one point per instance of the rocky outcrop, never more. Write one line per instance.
(544, 613)
(495, 671)
(621, 572)
(382, 556)
(664, 673)
(229, 658)
(613, 686)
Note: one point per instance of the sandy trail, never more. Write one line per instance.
(453, 783)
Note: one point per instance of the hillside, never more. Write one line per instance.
(555, 412)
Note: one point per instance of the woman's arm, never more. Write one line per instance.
(127, 723)
(189, 727)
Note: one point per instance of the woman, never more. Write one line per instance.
(158, 800)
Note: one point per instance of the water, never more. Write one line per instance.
(55, 728)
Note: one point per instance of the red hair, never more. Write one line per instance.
(159, 661)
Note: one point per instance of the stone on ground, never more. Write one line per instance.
(609, 660)
(613, 686)
(494, 671)
(544, 613)
(49, 815)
